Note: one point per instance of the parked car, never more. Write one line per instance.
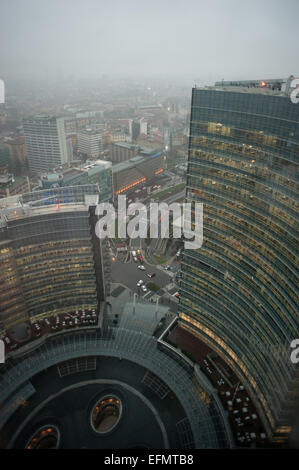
(139, 283)
(135, 259)
(144, 289)
(140, 266)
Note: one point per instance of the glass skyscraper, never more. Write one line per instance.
(239, 290)
(51, 260)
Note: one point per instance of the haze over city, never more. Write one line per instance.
(195, 40)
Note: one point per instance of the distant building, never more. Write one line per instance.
(70, 148)
(137, 127)
(120, 152)
(11, 185)
(97, 172)
(143, 126)
(45, 142)
(110, 137)
(5, 162)
(134, 128)
(74, 124)
(119, 136)
(51, 180)
(17, 154)
(90, 143)
(136, 172)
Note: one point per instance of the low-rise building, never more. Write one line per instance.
(97, 172)
(121, 151)
(136, 172)
(11, 185)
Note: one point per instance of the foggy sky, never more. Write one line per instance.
(196, 39)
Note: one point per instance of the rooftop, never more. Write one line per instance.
(89, 132)
(38, 198)
(254, 83)
(138, 348)
(244, 89)
(125, 145)
(128, 163)
(71, 172)
(51, 177)
(78, 169)
(102, 163)
(272, 86)
(41, 117)
(22, 212)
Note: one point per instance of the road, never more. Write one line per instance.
(128, 274)
(175, 197)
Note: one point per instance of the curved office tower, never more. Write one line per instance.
(238, 292)
(63, 356)
(51, 262)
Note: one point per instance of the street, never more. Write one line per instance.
(128, 274)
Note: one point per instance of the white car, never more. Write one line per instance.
(134, 254)
(139, 283)
(140, 266)
(144, 289)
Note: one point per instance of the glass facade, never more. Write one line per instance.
(102, 178)
(64, 195)
(239, 290)
(51, 262)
